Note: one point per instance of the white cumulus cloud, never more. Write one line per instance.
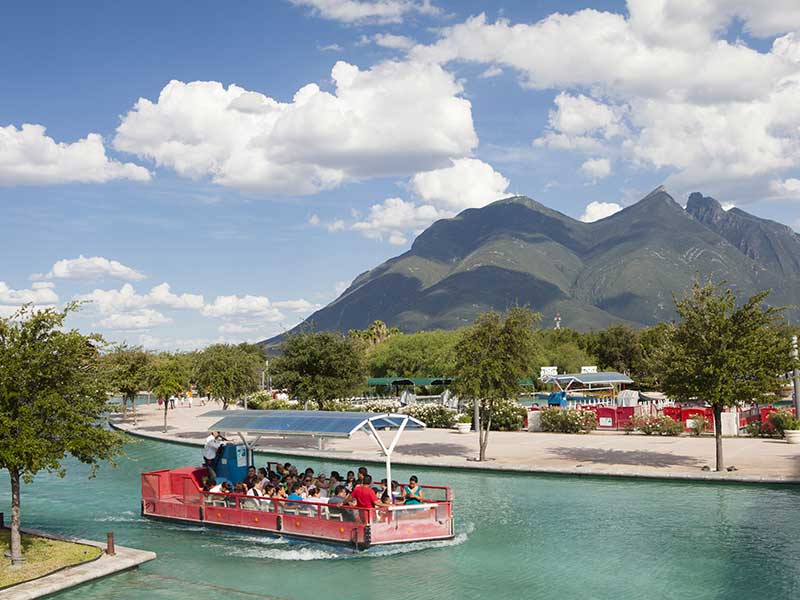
(238, 306)
(595, 211)
(368, 11)
(596, 168)
(146, 318)
(395, 118)
(30, 157)
(394, 218)
(468, 183)
(90, 267)
(661, 86)
(40, 293)
(127, 298)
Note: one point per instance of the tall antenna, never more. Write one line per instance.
(557, 320)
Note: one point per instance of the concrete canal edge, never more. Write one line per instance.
(69, 577)
(519, 469)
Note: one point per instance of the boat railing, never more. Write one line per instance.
(426, 510)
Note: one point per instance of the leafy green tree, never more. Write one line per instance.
(491, 358)
(655, 349)
(227, 372)
(617, 348)
(126, 370)
(52, 397)
(319, 366)
(422, 354)
(562, 348)
(725, 355)
(167, 375)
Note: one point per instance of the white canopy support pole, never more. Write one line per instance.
(387, 452)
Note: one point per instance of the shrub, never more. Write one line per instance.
(650, 424)
(558, 420)
(381, 406)
(433, 415)
(465, 418)
(700, 425)
(264, 401)
(508, 415)
(332, 405)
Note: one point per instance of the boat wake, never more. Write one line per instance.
(127, 516)
(293, 550)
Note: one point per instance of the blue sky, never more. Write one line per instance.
(266, 202)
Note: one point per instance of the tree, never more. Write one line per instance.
(491, 358)
(617, 348)
(374, 335)
(725, 355)
(422, 354)
(655, 342)
(52, 398)
(228, 372)
(126, 372)
(167, 376)
(319, 366)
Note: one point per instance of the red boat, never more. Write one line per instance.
(178, 495)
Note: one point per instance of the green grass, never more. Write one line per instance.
(42, 556)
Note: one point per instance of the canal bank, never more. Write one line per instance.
(755, 460)
(104, 565)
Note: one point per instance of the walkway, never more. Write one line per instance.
(611, 454)
(123, 559)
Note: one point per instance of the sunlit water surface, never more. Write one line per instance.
(518, 537)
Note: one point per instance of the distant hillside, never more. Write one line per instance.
(621, 269)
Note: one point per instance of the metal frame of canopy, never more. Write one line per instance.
(609, 380)
(328, 424)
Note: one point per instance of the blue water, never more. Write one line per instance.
(519, 537)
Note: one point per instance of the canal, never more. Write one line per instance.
(519, 537)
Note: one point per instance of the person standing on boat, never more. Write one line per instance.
(213, 443)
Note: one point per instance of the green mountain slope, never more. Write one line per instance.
(622, 269)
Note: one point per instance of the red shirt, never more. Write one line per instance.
(364, 496)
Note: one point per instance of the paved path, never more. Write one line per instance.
(124, 559)
(756, 460)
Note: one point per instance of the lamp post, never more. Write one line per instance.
(796, 378)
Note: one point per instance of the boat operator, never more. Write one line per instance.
(211, 452)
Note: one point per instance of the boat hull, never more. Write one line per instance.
(176, 495)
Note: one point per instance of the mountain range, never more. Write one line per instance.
(621, 269)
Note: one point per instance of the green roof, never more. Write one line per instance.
(409, 380)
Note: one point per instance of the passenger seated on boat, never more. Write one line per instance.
(240, 488)
(274, 479)
(362, 472)
(323, 484)
(218, 488)
(261, 481)
(350, 483)
(309, 472)
(335, 481)
(339, 502)
(251, 477)
(412, 493)
(315, 497)
(365, 496)
(295, 493)
(397, 493)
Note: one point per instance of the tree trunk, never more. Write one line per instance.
(483, 438)
(16, 545)
(718, 436)
(133, 408)
(166, 408)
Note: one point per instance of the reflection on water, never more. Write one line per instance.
(518, 537)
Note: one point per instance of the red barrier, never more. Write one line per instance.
(674, 412)
(624, 415)
(606, 417)
(688, 414)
